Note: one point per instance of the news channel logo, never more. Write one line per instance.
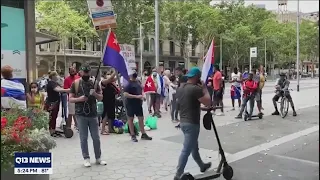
(33, 163)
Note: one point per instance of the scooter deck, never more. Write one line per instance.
(211, 174)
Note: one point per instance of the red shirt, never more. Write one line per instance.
(249, 86)
(69, 80)
(216, 80)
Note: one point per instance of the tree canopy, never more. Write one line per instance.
(239, 26)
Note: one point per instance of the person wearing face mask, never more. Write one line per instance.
(84, 93)
(71, 106)
(245, 74)
(52, 102)
(190, 96)
(35, 99)
(155, 97)
(134, 100)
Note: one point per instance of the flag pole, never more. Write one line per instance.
(101, 59)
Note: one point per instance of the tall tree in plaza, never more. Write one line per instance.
(58, 19)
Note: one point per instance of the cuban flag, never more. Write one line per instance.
(207, 68)
(112, 57)
(12, 94)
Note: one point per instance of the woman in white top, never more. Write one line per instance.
(166, 81)
(173, 99)
(235, 91)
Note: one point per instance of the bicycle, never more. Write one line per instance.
(284, 103)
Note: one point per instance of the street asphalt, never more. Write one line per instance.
(268, 149)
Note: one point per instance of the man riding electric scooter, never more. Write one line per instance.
(249, 90)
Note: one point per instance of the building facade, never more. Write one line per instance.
(55, 54)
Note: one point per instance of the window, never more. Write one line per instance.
(136, 46)
(172, 48)
(161, 47)
(193, 51)
(70, 42)
(84, 43)
(146, 44)
(182, 49)
(76, 44)
(151, 45)
(98, 45)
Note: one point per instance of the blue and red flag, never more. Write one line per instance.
(112, 57)
(207, 68)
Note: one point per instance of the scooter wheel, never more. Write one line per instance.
(186, 176)
(227, 172)
(68, 133)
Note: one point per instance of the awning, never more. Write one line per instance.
(42, 38)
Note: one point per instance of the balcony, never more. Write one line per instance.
(71, 52)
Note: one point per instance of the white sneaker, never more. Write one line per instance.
(87, 163)
(100, 162)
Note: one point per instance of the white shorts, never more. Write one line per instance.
(71, 108)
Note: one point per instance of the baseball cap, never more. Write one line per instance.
(85, 68)
(282, 74)
(194, 71)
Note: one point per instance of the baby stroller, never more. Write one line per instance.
(120, 110)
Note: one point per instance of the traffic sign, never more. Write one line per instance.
(102, 14)
(253, 52)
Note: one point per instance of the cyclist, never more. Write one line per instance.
(282, 85)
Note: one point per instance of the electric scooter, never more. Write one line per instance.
(246, 114)
(224, 168)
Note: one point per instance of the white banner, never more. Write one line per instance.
(127, 51)
(17, 60)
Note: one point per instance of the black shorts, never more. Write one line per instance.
(109, 110)
(217, 94)
(134, 110)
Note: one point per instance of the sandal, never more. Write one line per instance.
(104, 133)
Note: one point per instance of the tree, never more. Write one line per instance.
(58, 19)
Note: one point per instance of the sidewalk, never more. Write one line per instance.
(157, 159)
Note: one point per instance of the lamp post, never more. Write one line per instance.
(157, 31)
(141, 43)
(298, 45)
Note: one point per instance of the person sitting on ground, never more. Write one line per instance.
(282, 89)
(249, 89)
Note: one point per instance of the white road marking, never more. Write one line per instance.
(296, 159)
(261, 147)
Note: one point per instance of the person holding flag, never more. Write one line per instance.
(154, 86)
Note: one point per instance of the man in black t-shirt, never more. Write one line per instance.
(134, 100)
(85, 95)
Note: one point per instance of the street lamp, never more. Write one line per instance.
(141, 42)
(298, 44)
(157, 31)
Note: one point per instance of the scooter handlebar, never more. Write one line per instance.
(210, 108)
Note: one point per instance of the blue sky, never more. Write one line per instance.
(305, 5)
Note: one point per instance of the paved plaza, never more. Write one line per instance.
(269, 149)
